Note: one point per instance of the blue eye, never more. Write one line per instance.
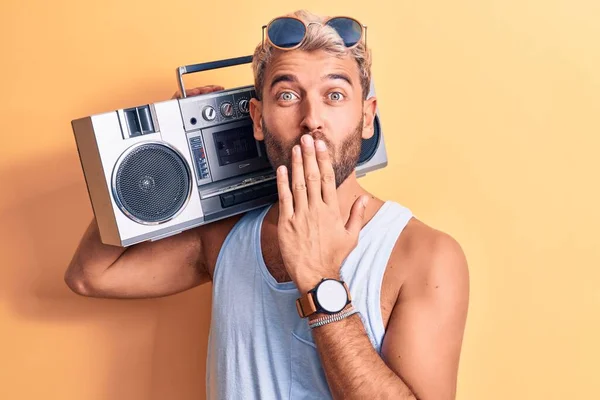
(287, 96)
(339, 96)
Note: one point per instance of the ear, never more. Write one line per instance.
(256, 115)
(369, 110)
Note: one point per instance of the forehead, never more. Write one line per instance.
(309, 67)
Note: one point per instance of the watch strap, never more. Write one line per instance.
(306, 305)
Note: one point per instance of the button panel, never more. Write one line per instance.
(250, 193)
(211, 109)
(199, 156)
(250, 182)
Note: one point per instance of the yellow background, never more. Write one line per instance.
(491, 115)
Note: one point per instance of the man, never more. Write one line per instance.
(270, 338)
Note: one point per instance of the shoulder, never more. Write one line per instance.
(212, 237)
(432, 262)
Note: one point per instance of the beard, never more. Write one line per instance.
(343, 159)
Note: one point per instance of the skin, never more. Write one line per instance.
(306, 120)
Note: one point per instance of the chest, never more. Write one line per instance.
(391, 284)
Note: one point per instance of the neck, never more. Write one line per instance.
(347, 193)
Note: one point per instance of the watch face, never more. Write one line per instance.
(332, 295)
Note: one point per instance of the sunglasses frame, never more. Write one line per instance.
(363, 31)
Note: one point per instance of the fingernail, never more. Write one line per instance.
(320, 145)
(281, 169)
(307, 140)
(297, 149)
(365, 200)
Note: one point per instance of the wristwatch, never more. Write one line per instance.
(330, 296)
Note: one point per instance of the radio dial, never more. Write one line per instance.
(227, 109)
(208, 113)
(243, 105)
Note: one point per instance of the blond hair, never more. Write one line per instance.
(318, 37)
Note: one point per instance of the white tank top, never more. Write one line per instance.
(259, 348)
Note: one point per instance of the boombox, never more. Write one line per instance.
(158, 169)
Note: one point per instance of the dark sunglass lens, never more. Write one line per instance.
(348, 29)
(286, 32)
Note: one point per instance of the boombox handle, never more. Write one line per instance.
(190, 69)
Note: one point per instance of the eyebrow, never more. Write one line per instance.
(293, 79)
(283, 78)
(341, 76)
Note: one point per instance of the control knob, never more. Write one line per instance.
(208, 113)
(227, 109)
(243, 106)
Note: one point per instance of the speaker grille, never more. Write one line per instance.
(152, 183)
(369, 146)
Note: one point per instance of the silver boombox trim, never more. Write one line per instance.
(158, 169)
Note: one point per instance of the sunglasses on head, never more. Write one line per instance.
(287, 33)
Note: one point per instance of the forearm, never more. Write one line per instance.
(352, 367)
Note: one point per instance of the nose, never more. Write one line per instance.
(312, 115)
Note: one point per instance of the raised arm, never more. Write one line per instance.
(148, 269)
